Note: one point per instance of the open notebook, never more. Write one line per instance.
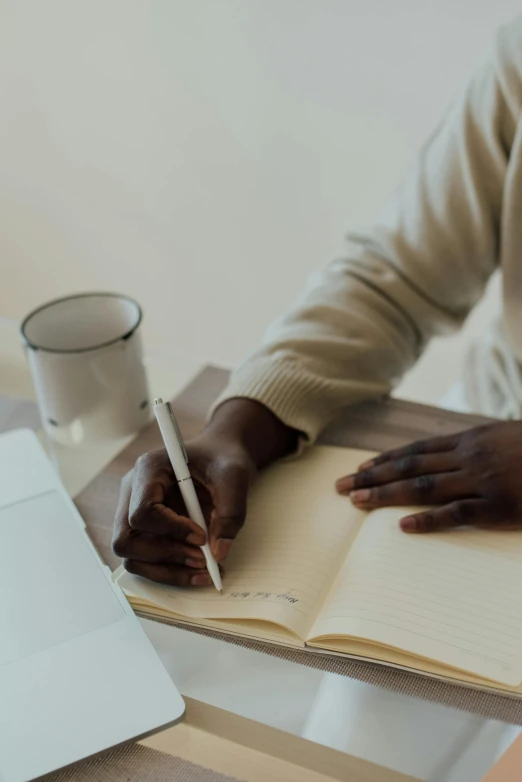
(309, 569)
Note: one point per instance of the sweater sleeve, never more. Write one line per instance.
(364, 320)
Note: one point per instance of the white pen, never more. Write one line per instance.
(179, 460)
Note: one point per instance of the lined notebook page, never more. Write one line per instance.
(282, 565)
(454, 597)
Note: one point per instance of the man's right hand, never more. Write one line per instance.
(152, 532)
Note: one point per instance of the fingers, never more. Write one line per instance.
(397, 469)
(168, 574)
(152, 478)
(121, 518)
(430, 446)
(229, 497)
(130, 543)
(423, 490)
(456, 514)
(158, 542)
(157, 549)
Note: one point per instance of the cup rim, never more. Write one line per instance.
(71, 297)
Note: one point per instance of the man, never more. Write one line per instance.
(352, 335)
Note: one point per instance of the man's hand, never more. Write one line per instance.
(151, 530)
(475, 478)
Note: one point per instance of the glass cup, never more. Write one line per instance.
(86, 359)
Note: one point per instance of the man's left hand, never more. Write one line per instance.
(474, 478)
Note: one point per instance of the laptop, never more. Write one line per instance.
(78, 674)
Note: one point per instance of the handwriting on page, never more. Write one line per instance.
(286, 597)
(293, 541)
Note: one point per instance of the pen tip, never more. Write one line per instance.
(158, 401)
(220, 591)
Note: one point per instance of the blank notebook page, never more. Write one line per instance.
(455, 597)
(298, 530)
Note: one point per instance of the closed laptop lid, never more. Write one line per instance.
(78, 674)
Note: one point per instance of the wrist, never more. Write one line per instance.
(254, 428)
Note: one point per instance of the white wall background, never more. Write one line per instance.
(205, 155)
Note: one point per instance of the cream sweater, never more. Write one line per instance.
(364, 320)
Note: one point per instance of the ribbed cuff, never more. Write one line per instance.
(293, 394)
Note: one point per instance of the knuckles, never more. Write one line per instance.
(129, 565)
(119, 545)
(414, 449)
(481, 454)
(423, 485)
(137, 519)
(150, 460)
(457, 513)
(480, 447)
(406, 466)
(365, 479)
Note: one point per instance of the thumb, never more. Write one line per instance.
(229, 500)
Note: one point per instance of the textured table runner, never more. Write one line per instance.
(140, 764)
(490, 705)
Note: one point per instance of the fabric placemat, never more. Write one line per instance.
(139, 764)
(490, 705)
